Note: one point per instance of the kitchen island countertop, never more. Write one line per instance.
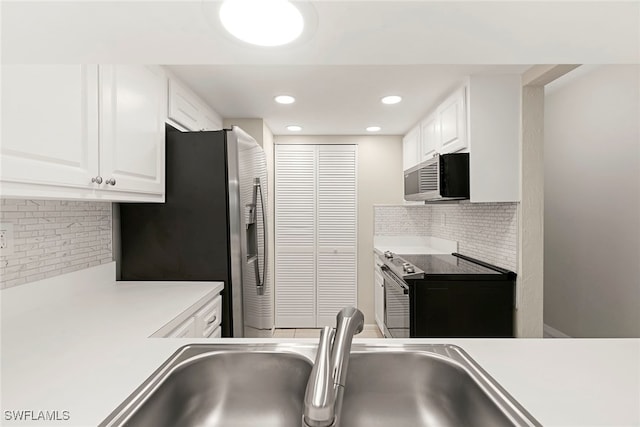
(88, 361)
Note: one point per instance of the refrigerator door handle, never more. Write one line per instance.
(257, 190)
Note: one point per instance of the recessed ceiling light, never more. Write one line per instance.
(285, 99)
(294, 128)
(262, 22)
(374, 129)
(391, 99)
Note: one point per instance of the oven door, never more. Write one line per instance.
(396, 305)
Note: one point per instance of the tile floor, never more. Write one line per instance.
(315, 333)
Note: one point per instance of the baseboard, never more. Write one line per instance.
(550, 332)
(371, 327)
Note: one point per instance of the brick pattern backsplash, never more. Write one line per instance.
(52, 237)
(401, 221)
(487, 231)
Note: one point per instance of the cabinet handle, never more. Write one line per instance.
(212, 320)
(97, 180)
(111, 181)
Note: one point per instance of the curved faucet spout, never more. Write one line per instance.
(323, 396)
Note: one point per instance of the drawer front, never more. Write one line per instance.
(187, 329)
(210, 316)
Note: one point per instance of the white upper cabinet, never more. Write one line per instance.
(210, 120)
(132, 133)
(411, 148)
(452, 117)
(189, 111)
(430, 133)
(184, 107)
(83, 132)
(445, 130)
(482, 118)
(49, 125)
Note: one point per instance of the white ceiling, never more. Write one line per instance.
(358, 52)
(330, 99)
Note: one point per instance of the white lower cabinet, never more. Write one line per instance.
(202, 320)
(378, 293)
(208, 318)
(83, 132)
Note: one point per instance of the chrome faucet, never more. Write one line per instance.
(325, 389)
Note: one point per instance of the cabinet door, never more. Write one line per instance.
(133, 112)
(430, 137)
(209, 120)
(208, 317)
(453, 122)
(336, 231)
(50, 124)
(410, 148)
(295, 219)
(184, 107)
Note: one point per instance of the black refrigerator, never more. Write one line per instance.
(212, 226)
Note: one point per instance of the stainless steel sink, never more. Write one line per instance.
(418, 388)
(264, 385)
(219, 385)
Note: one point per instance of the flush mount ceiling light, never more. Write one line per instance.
(294, 128)
(374, 129)
(262, 22)
(284, 99)
(391, 99)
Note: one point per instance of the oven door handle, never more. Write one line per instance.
(405, 288)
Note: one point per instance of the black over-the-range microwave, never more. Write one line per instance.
(443, 177)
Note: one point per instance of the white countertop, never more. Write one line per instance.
(85, 350)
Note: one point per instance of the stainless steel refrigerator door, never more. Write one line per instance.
(257, 289)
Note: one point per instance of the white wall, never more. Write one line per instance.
(592, 202)
(380, 181)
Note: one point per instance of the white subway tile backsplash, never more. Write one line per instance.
(53, 237)
(487, 231)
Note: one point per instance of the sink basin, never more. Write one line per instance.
(264, 385)
(200, 387)
(417, 389)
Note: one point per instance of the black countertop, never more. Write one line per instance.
(450, 267)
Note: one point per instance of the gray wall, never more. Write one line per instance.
(53, 237)
(592, 202)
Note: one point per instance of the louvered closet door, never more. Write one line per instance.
(295, 212)
(336, 284)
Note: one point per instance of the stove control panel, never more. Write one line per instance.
(401, 267)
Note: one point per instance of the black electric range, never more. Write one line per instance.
(447, 295)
